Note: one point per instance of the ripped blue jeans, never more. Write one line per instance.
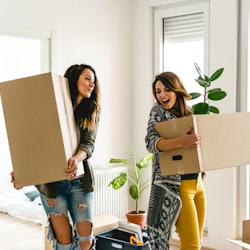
(74, 202)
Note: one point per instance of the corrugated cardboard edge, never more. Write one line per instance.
(199, 149)
(66, 117)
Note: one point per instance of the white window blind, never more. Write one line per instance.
(183, 28)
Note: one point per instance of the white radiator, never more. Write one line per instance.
(108, 200)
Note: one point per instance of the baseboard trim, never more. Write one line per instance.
(175, 242)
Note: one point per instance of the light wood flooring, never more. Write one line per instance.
(17, 234)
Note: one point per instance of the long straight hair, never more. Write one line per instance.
(174, 83)
(87, 112)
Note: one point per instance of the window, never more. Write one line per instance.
(24, 52)
(20, 57)
(181, 40)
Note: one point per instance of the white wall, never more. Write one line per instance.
(142, 71)
(221, 185)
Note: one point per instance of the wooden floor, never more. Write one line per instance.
(18, 234)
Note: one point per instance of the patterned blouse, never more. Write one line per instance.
(164, 203)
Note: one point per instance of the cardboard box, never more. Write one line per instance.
(110, 241)
(40, 127)
(245, 241)
(225, 143)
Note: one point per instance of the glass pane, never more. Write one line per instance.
(180, 58)
(20, 57)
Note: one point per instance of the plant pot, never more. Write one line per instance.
(139, 219)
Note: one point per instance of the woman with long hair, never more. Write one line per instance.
(175, 200)
(69, 203)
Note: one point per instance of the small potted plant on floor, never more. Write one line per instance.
(136, 186)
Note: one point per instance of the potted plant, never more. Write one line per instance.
(136, 185)
(214, 94)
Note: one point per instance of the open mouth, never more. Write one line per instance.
(165, 102)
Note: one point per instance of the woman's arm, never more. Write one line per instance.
(84, 151)
(156, 144)
(187, 140)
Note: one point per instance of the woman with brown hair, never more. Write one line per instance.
(71, 200)
(177, 199)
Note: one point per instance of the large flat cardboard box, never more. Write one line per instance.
(225, 143)
(245, 241)
(40, 127)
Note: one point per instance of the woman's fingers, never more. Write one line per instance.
(14, 181)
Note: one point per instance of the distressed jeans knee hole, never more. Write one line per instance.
(50, 203)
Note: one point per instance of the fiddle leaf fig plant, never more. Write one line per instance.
(134, 179)
(209, 94)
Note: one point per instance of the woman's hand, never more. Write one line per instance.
(73, 162)
(189, 139)
(14, 181)
(71, 171)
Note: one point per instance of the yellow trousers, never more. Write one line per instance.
(191, 220)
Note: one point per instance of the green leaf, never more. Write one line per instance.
(207, 79)
(216, 95)
(216, 74)
(203, 83)
(198, 70)
(134, 192)
(119, 181)
(194, 95)
(201, 108)
(211, 90)
(201, 78)
(145, 160)
(118, 161)
(193, 107)
(214, 110)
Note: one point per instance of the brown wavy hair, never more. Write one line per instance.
(87, 112)
(174, 83)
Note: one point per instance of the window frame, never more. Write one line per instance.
(46, 37)
(172, 10)
(243, 105)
